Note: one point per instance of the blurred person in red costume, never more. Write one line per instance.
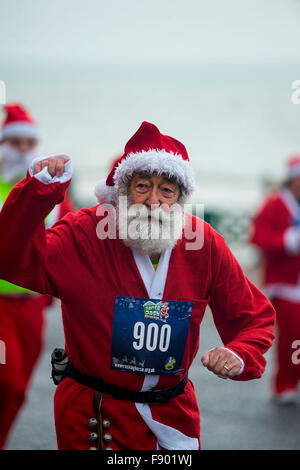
(276, 232)
(21, 310)
(134, 284)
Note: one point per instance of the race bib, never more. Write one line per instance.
(149, 335)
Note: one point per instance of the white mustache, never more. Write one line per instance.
(151, 229)
(155, 217)
(15, 163)
(155, 213)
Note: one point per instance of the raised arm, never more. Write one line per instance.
(23, 246)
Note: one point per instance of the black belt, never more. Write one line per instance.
(155, 397)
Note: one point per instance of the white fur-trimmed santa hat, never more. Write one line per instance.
(18, 122)
(151, 152)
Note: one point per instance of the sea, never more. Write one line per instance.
(238, 122)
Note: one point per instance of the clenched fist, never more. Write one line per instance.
(217, 358)
(55, 165)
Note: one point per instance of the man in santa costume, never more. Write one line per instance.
(21, 310)
(132, 331)
(276, 231)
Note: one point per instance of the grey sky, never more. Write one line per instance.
(169, 31)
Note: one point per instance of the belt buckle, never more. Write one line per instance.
(159, 396)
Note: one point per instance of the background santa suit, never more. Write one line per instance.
(273, 231)
(70, 262)
(22, 324)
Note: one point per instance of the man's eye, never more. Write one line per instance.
(142, 187)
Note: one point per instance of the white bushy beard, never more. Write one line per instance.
(151, 236)
(14, 163)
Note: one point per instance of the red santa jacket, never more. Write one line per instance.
(269, 232)
(70, 262)
(59, 211)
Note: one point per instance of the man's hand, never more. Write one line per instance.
(217, 358)
(55, 165)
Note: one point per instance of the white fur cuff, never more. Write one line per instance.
(241, 360)
(44, 175)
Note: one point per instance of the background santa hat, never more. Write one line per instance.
(18, 122)
(151, 152)
(293, 167)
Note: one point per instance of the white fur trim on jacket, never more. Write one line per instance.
(292, 240)
(150, 161)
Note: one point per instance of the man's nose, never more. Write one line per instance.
(153, 198)
(23, 148)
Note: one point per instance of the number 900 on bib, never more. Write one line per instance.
(149, 335)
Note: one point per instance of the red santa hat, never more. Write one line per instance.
(18, 122)
(151, 152)
(293, 167)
